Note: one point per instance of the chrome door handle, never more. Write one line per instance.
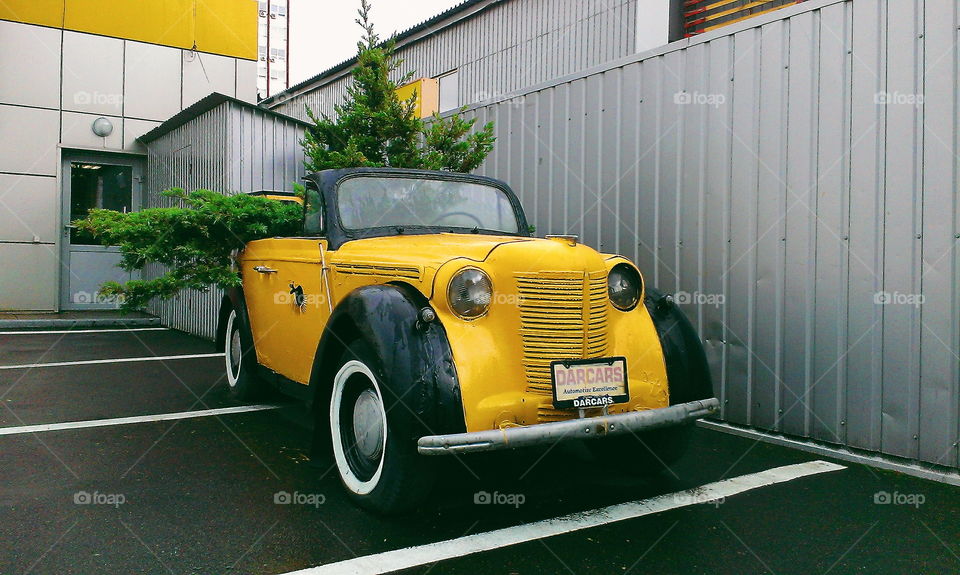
(264, 270)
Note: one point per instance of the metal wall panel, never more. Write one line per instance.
(510, 46)
(939, 273)
(231, 149)
(795, 177)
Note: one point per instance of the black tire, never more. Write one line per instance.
(241, 361)
(378, 464)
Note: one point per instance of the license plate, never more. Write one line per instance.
(588, 383)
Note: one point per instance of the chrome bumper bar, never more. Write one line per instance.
(583, 428)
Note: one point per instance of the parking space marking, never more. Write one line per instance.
(136, 419)
(63, 331)
(409, 557)
(117, 360)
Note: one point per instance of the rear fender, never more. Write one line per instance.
(232, 300)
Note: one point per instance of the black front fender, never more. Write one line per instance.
(688, 373)
(416, 361)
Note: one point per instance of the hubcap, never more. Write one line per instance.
(368, 424)
(235, 352)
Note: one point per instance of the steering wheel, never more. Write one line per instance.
(444, 216)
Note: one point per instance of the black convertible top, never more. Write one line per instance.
(327, 182)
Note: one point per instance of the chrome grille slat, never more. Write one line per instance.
(562, 316)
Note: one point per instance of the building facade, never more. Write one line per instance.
(273, 38)
(480, 50)
(83, 79)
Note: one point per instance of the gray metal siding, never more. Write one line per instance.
(510, 46)
(230, 149)
(788, 200)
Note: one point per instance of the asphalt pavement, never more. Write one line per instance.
(235, 491)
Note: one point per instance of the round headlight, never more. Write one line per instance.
(469, 293)
(624, 286)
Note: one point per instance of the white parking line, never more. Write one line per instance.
(117, 360)
(63, 331)
(425, 554)
(129, 420)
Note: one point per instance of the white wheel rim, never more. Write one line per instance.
(233, 352)
(352, 482)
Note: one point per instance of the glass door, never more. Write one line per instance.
(94, 182)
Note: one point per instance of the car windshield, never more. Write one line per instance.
(376, 202)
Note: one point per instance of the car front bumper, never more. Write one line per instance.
(555, 432)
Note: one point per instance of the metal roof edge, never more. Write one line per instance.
(203, 106)
(407, 37)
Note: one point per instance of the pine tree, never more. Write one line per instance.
(373, 127)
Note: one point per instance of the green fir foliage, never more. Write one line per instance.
(195, 241)
(375, 128)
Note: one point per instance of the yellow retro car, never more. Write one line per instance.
(419, 317)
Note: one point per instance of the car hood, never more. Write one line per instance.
(418, 258)
(426, 251)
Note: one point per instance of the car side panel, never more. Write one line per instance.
(285, 329)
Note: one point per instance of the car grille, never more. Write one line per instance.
(563, 315)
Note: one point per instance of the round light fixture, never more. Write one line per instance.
(102, 127)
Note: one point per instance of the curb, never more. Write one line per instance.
(86, 322)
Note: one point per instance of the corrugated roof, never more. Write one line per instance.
(202, 106)
(400, 37)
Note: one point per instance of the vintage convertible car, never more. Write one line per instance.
(419, 317)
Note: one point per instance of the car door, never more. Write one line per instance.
(288, 301)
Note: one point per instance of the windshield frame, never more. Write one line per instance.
(329, 181)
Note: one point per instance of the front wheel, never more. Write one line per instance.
(241, 361)
(379, 467)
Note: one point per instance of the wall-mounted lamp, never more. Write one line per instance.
(102, 127)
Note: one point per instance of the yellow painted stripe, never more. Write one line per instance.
(42, 12)
(227, 27)
(740, 9)
(747, 17)
(716, 5)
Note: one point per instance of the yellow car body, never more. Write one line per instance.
(514, 389)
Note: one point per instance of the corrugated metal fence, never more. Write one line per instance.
(231, 148)
(793, 179)
(507, 47)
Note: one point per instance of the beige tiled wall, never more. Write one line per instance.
(54, 85)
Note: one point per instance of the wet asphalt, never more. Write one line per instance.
(197, 496)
